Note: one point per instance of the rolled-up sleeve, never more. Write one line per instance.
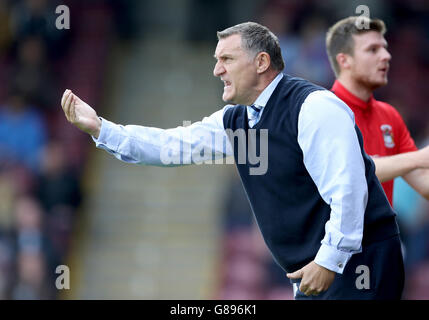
(200, 142)
(332, 156)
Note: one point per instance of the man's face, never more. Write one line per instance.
(237, 69)
(370, 60)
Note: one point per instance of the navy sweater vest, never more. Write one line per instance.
(285, 201)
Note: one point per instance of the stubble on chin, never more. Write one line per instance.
(228, 100)
(371, 84)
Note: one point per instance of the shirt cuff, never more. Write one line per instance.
(332, 258)
(108, 136)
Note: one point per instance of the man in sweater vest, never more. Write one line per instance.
(313, 190)
(360, 60)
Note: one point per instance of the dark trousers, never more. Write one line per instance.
(377, 273)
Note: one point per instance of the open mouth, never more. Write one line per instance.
(385, 69)
(226, 84)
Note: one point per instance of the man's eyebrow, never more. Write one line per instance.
(376, 44)
(223, 56)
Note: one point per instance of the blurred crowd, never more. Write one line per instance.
(42, 157)
(248, 270)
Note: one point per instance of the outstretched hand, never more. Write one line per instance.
(80, 114)
(315, 278)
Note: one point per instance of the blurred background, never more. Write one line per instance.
(137, 232)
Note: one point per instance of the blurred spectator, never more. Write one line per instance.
(243, 276)
(278, 16)
(32, 246)
(30, 284)
(28, 224)
(31, 73)
(417, 287)
(301, 35)
(5, 32)
(37, 17)
(6, 265)
(39, 176)
(22, 132)
(7, 194)
(312, 62)
(57, 184)
(59, 226)
(58, 190)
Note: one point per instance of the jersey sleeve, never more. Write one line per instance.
(404, 140)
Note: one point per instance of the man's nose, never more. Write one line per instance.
(386, 55)
(218, 69)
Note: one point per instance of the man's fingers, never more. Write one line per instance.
(295, 275)
(77, 99)
(64, 100)
(72, 107)
(308, 291)
(304, 289)
(64, 97)
(67, 105)
(313, 292)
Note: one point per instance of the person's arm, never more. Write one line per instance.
(410, 163)
(390, 167)
(418, 179)
(332, 156)
(202, 141)
(412, 166)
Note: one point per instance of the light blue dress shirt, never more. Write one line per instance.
(326, 135)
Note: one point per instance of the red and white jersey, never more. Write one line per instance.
(383, 129)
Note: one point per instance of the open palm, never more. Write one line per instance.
(80, 113)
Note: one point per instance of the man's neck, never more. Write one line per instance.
(360, 91)
(265, 81)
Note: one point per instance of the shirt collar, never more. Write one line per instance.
(265, 95)
(349, 98)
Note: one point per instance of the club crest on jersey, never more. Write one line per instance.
(387, 135)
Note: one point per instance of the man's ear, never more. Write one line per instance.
(344, 61)
(263, 62)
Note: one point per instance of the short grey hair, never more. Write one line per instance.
(257, 38)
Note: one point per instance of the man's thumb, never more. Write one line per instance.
(295, 275)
